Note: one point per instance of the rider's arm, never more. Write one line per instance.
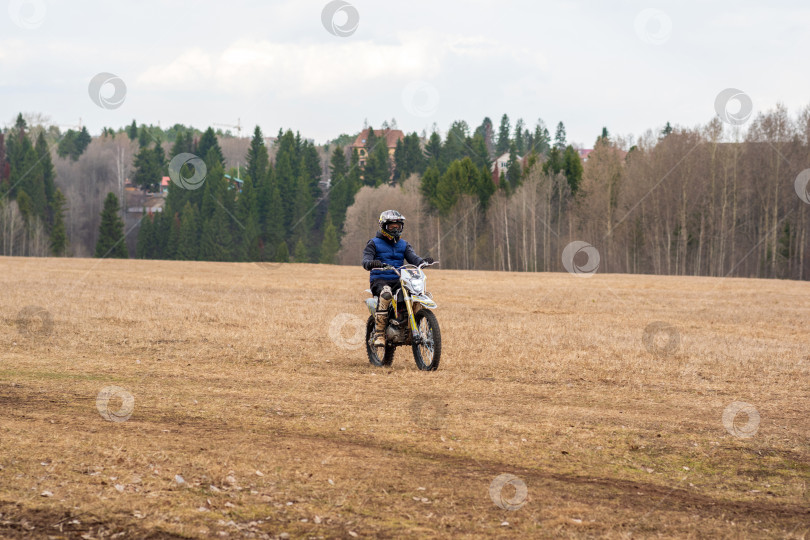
(369, 254)
(411, 256)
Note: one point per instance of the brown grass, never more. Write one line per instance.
(275, 429)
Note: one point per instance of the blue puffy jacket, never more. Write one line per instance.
(391, 253)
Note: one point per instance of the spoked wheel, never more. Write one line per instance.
(428, 351)
(374, 352)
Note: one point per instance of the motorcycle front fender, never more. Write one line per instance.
(371, 303)
(425, 300)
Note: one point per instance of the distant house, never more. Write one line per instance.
(500, 165)
(391, 136)
(137, 202)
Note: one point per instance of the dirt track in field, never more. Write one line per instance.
(604, 396)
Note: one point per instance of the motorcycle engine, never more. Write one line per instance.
(395, 334)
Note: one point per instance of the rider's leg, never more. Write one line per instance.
(381, 316)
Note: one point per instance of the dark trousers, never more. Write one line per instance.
(378, 284)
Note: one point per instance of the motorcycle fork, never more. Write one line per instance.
(411, 318)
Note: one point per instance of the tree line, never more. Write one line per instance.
(713, 200)
(710, 200)
(31, 206)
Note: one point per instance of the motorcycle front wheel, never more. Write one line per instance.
(374, 352)
(428, 351)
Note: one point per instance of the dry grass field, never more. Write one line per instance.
(241, 417)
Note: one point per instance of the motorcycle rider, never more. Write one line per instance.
(387, 249)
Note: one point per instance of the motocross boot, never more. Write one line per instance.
(381, 316)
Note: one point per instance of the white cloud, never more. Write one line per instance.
(250, 67)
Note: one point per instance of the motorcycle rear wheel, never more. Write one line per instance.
(427, 353)
(373, 352)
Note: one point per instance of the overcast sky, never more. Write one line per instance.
(627, 65)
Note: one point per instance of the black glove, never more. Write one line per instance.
(429, 260)
(376, 264)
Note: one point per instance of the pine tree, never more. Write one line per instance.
(433, 150)
(47, 170)
(132, 131)
(282, 253)
(400, 167)
(248, 216)
(430, 181)
(503, 136)
(513, 169)
(302, 223)
(25, 206)
(572, 168)
(667, 130)
(173, 241)
(484, 187)
(188, 247)
(480, 153)
(159, 241)
(301, 252)
(144, 139)
(337, 163)
(273, 227)
(286, 183)
(149, 168)
(486, 131)
(415, 161)
(540, 139)
(110, 242)
(216, 238)
(519, 137)
(182, 144)
(378, 167)
(330, 244)
(559, 137)
(336, 207)
(216, 242)
(142, 246)
(83, 140)
(67, 146)
(311, 160)
(59, 240)
(207, 142)
(257, 158)
(554, 163)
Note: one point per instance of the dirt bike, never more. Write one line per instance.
(410, 322)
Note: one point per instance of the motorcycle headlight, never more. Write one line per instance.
(418, 285)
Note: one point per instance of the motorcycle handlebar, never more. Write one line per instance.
(395, 269)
